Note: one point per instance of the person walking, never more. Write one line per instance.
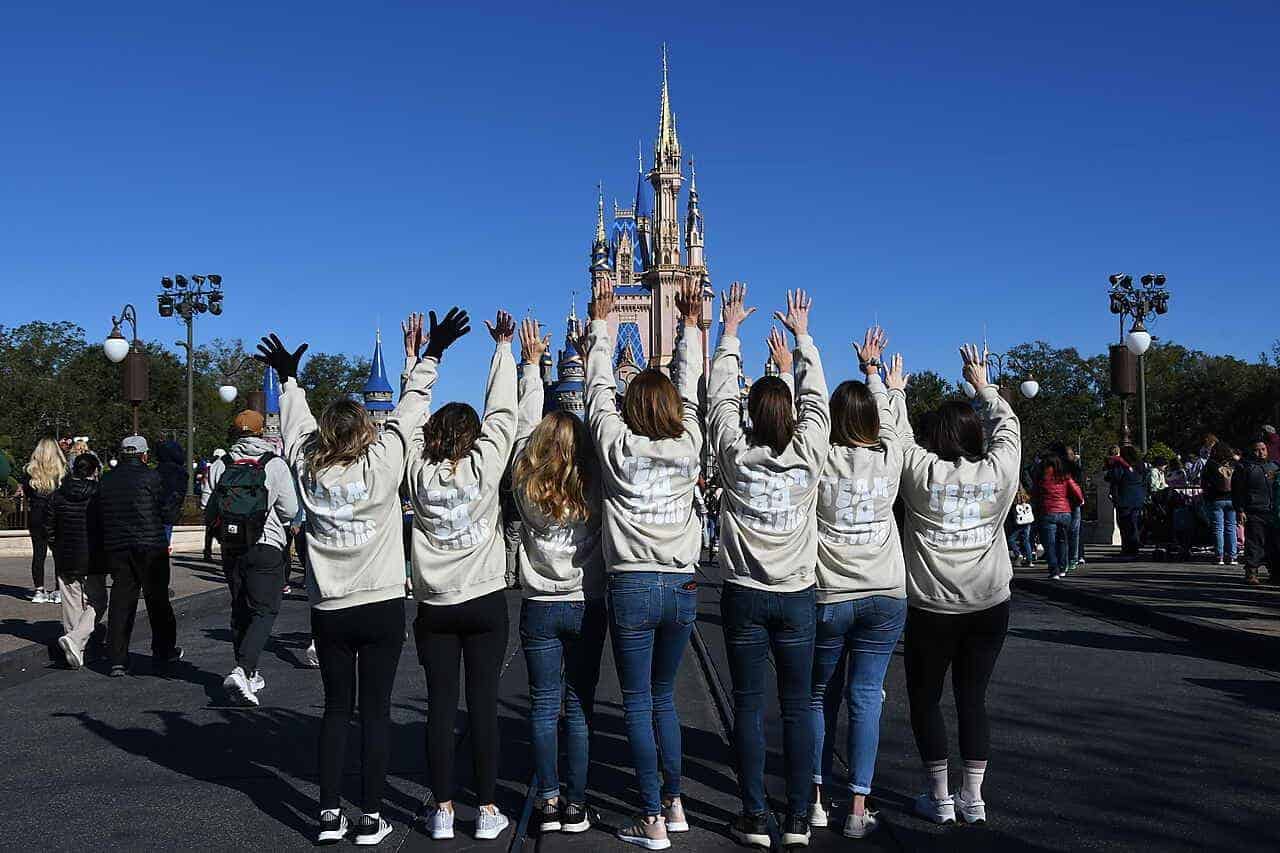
(39, 480)
(1215, 490)
(71, 525)
(510, 531)
(349, 482)
(1057, 492)
(556, 489)
(172, 467)
(1252, 494)
(252, 500)
(1075, 468)
(768, 550)
(1128, 476)
(133, 508)
(1018, 526)
(861, 573)
(454, 471)
(957, 488)
(206, 491)
(649, 459)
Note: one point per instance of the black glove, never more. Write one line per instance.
(274, 354)
(445, 332)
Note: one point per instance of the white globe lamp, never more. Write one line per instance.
(1029, 388)
(115, 346)
(1138, 341)
(227, 393)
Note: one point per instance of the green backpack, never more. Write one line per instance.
(237, 510)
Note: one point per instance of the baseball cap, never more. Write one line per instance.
(133, 444)
(248, 422)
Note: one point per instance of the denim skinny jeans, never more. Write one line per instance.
(1055, 529)
(1223, 514)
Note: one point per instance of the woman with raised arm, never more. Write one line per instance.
(650, 457)
(454, 470)
(958, 487)
(768, 549)
(349, 483)
(862, 596)
(556, 487)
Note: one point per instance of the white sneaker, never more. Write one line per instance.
(371, 830)
(490, 824)
(239, 690)
(938, 811)
(673, 814)
(972, 811)
(55, 597)
(311, 657)
(257, 682)
(333, 827)
(817, 815)
(440, 824)
(75, 660)
(860, 825)
(40, 596)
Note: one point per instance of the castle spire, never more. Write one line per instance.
(600, 246)
(377, 390)
(667, 147)
(694, 235)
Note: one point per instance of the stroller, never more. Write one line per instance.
(1176, 524)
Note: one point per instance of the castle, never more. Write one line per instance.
(377, 392)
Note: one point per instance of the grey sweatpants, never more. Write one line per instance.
(84, 603)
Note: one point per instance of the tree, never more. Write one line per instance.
(332, 376)
(926, 391)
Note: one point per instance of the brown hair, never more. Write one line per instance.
(652, 408)
(451, 433)
(554, 470)
(955, 433)
(773, 415)
(343, 433)
(855, 418)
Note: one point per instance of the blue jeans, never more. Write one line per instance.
(651, 616)
(756, 621)
(568, 634)
(1020, 542)
(1075, 550)
(1055, 528)
(868, 628)
(1224, 528)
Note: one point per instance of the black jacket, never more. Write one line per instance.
(1251, 485)
(172, 467)
(71, 525)
(133, 507)
(36, 503)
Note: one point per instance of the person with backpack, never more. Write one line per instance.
(1215, 491)
(251, 500)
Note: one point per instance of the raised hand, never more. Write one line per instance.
(732, 309)
(869, 354)
(502, 329)
(797, 317)
(532, 343)
(689, 302)
(274, 354)
(445, 332)
(412, 328)
(894, 378)
(602, 301)
(778, 350)
(975, 366)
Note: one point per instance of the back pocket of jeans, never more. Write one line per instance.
(687, 603)
(630, 608)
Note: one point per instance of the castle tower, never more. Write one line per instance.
(271, 407)
(377, 391)
(693, 226)
(571, 389)
(644, 214)
(601, 272)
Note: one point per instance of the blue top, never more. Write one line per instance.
(377, 383)
(271, 390)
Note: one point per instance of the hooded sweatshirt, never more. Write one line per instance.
(282, 495)
(859, 549)
(458, 553)
(558, 562)
(768, 532)
(648, 484)
(355, 550)
(957, 555)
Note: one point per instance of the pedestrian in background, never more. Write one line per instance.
(1020, 521)
(1057, 493)
(72, 526)
(1127, 476)
(1252, 493)
(39, 480)
(1215, 490)
(205, 492)
(1272, 439)
(171, 465)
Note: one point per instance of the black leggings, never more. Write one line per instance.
(969, 644)
(39, 550)
(368, 639)
(445, 633)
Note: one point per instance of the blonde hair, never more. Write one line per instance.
(554, 471)
(47, 466)
(343, 434)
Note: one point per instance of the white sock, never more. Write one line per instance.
(936, 778)
(328, 813)
(973, 773)
(374, 815)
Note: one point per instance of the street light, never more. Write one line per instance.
(188, 297)
(1028, 388)
(227, 391)
(118, 349)
(1126, 300)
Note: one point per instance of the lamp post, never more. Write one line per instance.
(187, 298)
(227, 391)
(1028, 387)
(136, 372)
(1138, 303)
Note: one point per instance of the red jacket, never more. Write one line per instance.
(1059, 494)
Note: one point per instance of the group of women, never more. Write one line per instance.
(813, 563)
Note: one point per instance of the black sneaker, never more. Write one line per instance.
(751, 830)
(333, 828)
(548, 817)
(173, 656)
(575, 818)
(795, 831)
(370, 830)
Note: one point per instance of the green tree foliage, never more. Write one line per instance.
(926, 391)
(331, 376)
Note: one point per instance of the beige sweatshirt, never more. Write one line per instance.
(355, 542)
(649, 522)
(859, 549)
(768, 533)
(558, 562)
(956, 552)
(458, 554)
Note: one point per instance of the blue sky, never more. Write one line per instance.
(936, 166)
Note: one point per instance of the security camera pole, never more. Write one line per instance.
(1138, 303)
(187, 298)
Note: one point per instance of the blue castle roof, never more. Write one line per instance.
(626, 225)
(629, 336)
(644, 196)
(271, 390)
(377, 382)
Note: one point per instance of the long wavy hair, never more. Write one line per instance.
(47, 466)
(343, 435)
(450, 434)
(554, 471)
